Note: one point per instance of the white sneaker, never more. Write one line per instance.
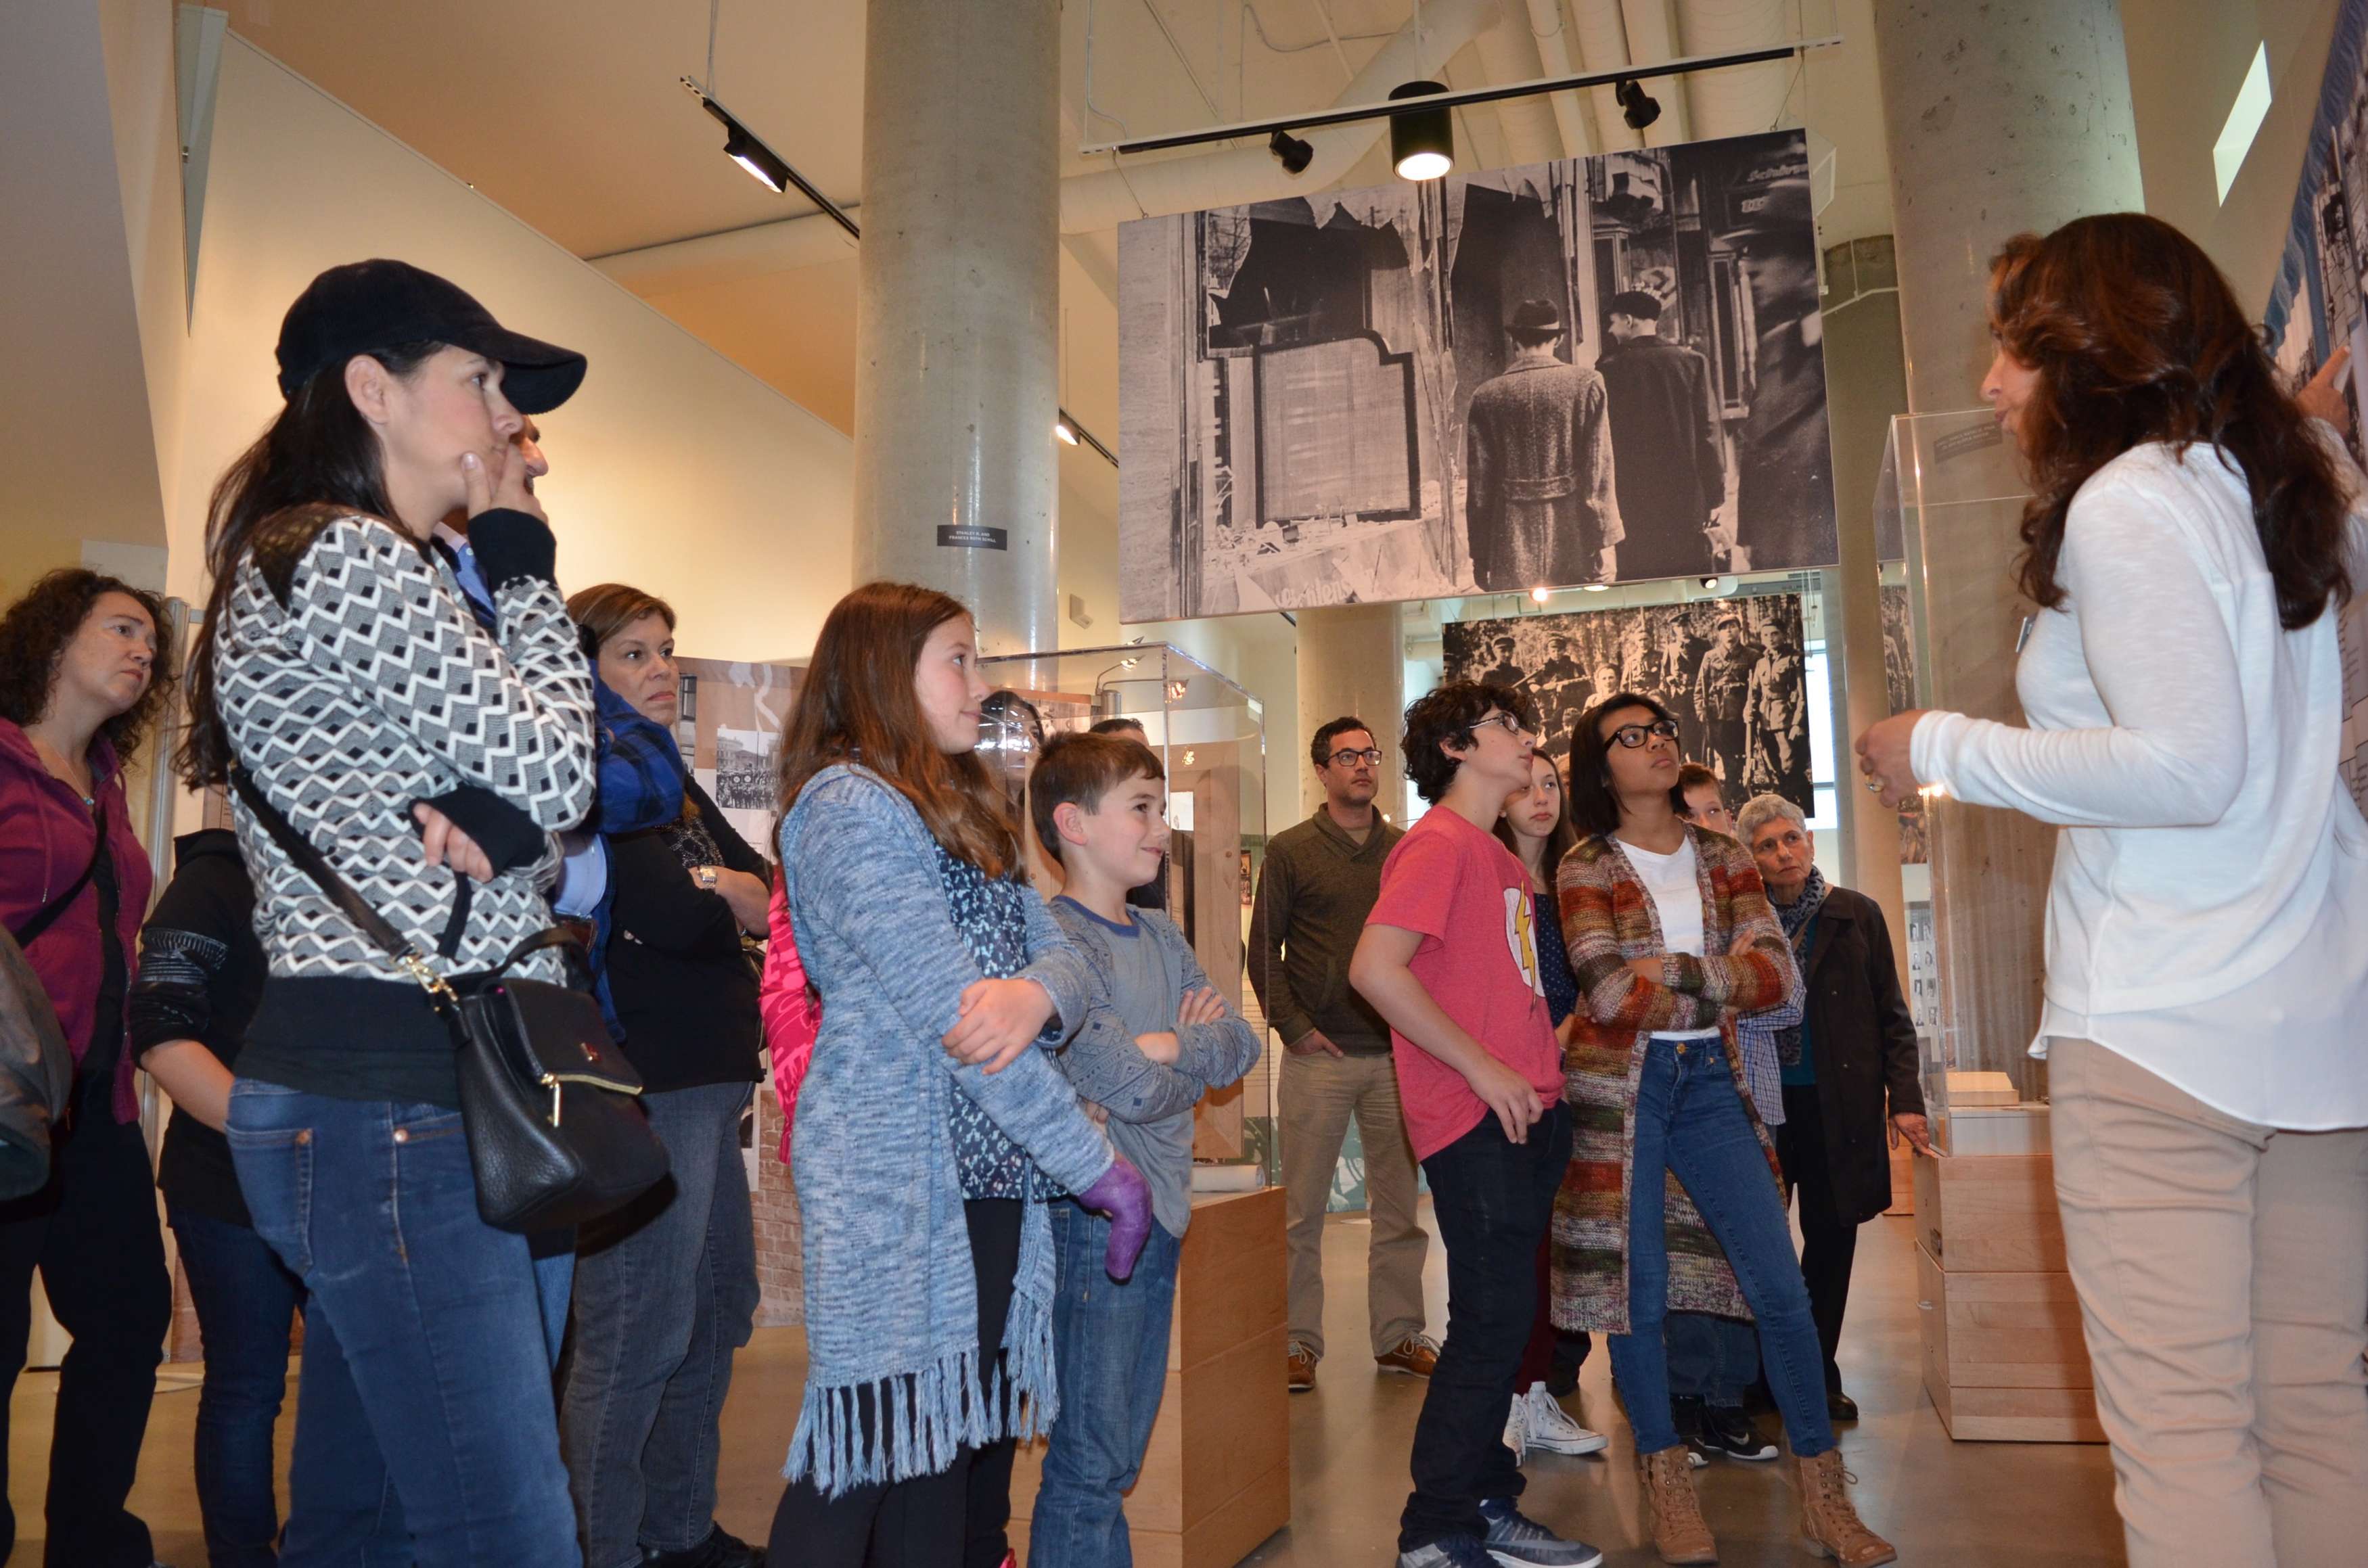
(1517, 1429)
(1546, 1424)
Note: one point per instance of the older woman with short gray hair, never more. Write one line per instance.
(1854, 1048)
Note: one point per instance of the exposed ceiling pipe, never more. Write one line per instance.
(1603, 46)
(1106, 197)
(1559, 57)
(1652, 28)
(1509, 52)
(1749, 98)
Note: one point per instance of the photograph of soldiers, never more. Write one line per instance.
(1732, 670)
(1669, 474)
(1538, 503)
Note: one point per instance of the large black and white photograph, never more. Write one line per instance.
(1602, 370)
(1731, 670)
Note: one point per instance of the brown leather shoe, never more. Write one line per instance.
(1301, 1362)
(1830, 1525)
(1679, 1533)
(1416, 1355)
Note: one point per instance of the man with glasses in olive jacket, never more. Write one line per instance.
(1319, 882)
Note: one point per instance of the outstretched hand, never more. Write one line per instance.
(2322, 397)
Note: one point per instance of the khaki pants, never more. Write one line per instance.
(2223, 1274)
(1319, 1093)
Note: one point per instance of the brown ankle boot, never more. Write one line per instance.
(1680, 1535)
(1830, 1525)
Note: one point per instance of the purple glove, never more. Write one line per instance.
(1122, 1196)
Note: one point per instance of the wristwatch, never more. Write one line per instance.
(705, 877)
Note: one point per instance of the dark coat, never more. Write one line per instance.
(1784, 465)
(1539, 506)
(1865, 1043)
(1670, 476)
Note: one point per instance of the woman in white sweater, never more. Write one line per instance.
(2189, 547)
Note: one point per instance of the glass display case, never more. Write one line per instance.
(1210, 736)
(1952, 489)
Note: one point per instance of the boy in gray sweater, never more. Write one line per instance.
(1155, 1038)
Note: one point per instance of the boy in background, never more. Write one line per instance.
(1156, 1037)
(1450, 959)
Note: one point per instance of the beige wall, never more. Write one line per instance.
(672, 469)
(2187, 59)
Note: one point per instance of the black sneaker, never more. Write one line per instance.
(1729, 1432)
(720, 1550)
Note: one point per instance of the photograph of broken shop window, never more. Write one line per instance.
(1601, 369)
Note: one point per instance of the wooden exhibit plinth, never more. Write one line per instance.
(2004, 1361)
(1216, 1477)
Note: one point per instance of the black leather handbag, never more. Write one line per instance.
(556, 1135)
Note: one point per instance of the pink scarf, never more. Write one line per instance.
(790, 1009)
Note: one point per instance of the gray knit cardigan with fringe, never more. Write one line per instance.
(890, 1299)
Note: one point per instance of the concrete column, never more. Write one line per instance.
(1350, 661)
(956, 480)
(2009, 116)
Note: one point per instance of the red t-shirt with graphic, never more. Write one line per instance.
(1478, 958)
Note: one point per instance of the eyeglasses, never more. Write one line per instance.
(1511, 724)
(1634, 736)
(1371, 755)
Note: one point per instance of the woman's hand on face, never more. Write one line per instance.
(445, 845)
(504, 488)
(2321, 398)
(1000, 1018)
(1883, 758)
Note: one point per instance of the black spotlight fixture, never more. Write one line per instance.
(1293, 155)
(1635, 107)
(765, 166)
(1422, 140)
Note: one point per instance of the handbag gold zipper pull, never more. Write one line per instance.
(552, 1081)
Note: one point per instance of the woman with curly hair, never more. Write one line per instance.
(2189, 541)
(80, 681)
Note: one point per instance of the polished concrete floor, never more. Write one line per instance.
(1944, 1505)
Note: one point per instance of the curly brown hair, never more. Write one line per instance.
(2136, 337)
(34, 632)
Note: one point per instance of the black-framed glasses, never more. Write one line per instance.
(1371, 755)
(1634, 736)
(1509, 722)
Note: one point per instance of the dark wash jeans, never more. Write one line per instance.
(666, 1291)
(93, 1234)
(1711, 1359)
(246, 1303)
(1689, 1118)
(1110, 1345)
(425, 1429)
(1492, 1199)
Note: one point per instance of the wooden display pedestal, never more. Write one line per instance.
(2004, 1361)
(1216, 1479)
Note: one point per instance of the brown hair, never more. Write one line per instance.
(33, 636)
(1559, 837)
(1078, 770)
(1693, 775)
(604, 609)
(857, 705)
(2137, 338)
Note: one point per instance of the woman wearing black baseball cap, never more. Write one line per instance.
(430, 759)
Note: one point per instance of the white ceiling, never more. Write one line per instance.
(569, 114)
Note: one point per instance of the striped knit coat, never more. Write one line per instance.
(1608, 919)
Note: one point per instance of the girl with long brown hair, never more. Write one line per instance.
(929, 1134)
(2189, 544)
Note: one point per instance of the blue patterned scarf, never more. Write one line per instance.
(1799, 918)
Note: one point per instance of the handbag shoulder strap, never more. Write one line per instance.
(47, 916)
(316, 865)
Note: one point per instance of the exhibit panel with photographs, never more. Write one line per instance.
(1600, 370)
(1731, 670)
(1899, 691)
(730, 729)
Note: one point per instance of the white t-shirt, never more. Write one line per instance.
(1675, 887)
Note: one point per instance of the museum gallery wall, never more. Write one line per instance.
(2320, 300)
(1730, 669)
(1605, 369)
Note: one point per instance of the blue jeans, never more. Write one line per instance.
(1689, 1118)
(425, 1430)
(246, 1303)
(1110, 1346)
(1711, 1359)
(666, 1291)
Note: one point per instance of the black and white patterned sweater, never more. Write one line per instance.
(352, 680)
